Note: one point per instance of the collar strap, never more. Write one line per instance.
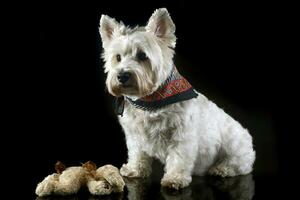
(175, 89)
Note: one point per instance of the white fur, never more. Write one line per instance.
(190, 137)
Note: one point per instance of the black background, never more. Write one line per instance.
(229, 52)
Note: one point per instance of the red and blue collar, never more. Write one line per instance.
(175, 89)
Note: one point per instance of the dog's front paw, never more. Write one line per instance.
(141, 171)
(175, 181)
(47, 186)
(129, 171)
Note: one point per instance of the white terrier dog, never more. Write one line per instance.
(161, 114)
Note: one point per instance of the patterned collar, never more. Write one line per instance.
(175, 89)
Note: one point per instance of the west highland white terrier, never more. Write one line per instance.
(160, 112)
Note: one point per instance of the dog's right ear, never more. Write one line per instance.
(108, 27)
(162, 26)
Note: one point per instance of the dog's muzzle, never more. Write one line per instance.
(124, 77)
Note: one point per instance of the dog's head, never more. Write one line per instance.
(137, 60)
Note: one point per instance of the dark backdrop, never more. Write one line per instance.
(229, 52)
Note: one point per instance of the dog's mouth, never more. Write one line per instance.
(129, 89)
(124, 89)
(126, 86)
(136, 86)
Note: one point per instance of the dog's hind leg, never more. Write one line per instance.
(233, 166)
(237, 154)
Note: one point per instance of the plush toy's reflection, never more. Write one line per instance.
(235, 188)
(118, 196)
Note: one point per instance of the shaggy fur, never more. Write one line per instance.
(189, 137)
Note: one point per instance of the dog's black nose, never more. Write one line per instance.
(123, 77)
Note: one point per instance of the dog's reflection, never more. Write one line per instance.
(235, 188)
(240, 187)
(138, 188)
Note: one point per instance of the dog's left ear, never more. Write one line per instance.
(108, 27)
(162, 26)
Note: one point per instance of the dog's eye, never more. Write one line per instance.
(141, 56)
(118, 57)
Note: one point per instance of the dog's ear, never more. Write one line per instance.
(162, 26)
(108, 27)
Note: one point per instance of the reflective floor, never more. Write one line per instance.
(241, 187)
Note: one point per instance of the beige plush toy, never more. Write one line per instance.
(67, 181)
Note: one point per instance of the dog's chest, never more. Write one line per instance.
(155, 131)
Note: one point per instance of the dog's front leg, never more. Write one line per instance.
(139, 163)
(179, 165)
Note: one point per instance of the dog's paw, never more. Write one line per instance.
(142, 171)
(221, 170)
(175, 181)
(101, 187)
(130, 172)
(47, 186)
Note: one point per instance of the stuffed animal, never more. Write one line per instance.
(67, 181)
